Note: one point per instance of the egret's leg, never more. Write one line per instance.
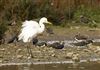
(16, 40)
(29, 50)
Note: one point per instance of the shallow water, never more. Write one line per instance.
(54, 66)
(96, 42)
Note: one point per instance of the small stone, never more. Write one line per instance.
(19, 56)
(76, 58)
(8, 53)
(53, 55)
(2, 49)
(1, 61)
(77, 27)
(44, 50)
(37, 59)
(1, 56)
(69, 55)
(19, 50)
(64, 49)
(29, 57)
(86, 50)
(97, 49)
(6, 60)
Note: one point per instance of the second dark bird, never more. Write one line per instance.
(78, 37)
(83, 43)
(37, 43)
(57, 45)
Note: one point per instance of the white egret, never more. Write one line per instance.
(31, 29)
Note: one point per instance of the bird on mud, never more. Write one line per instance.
(31, 29)
(57, 45)
(38, 43)
(83, 43)
(35, 41)
(2, 40)
(12, 39)
(12, 23)
(78, 37)
(49, 31)
(84, 19)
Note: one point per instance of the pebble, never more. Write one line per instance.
(8, 53)
(97, 49)
(2, 49)
(76, 57)
(64, 49)
(1, 61)
(86, 50)
(19, 56)
(5, 60)
(69, 55)
(19, 50)
(53, 55)
(1, 56)
(29, 57)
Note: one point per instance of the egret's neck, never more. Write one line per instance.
(42, 27)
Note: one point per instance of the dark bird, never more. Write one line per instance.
(83, 43)
(12, 39)
(12, 23)
(80, 37)
(84, 19)
(2, 40)
(49, 31)
(38, 43)
(35, 41)
(41, 44)
(57, 45)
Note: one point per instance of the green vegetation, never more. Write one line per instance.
(3, 28)
(20, 10)
(91, 13)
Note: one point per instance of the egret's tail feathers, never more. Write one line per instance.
(23, 38)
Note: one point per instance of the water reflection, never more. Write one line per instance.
(68, 66)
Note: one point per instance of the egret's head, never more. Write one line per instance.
(44, 20)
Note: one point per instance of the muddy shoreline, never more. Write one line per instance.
(17, 52)
(11, 53)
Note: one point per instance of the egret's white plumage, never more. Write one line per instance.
(31, 29)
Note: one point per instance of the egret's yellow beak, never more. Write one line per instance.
(49, 23)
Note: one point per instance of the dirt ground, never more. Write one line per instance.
(17, 52)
